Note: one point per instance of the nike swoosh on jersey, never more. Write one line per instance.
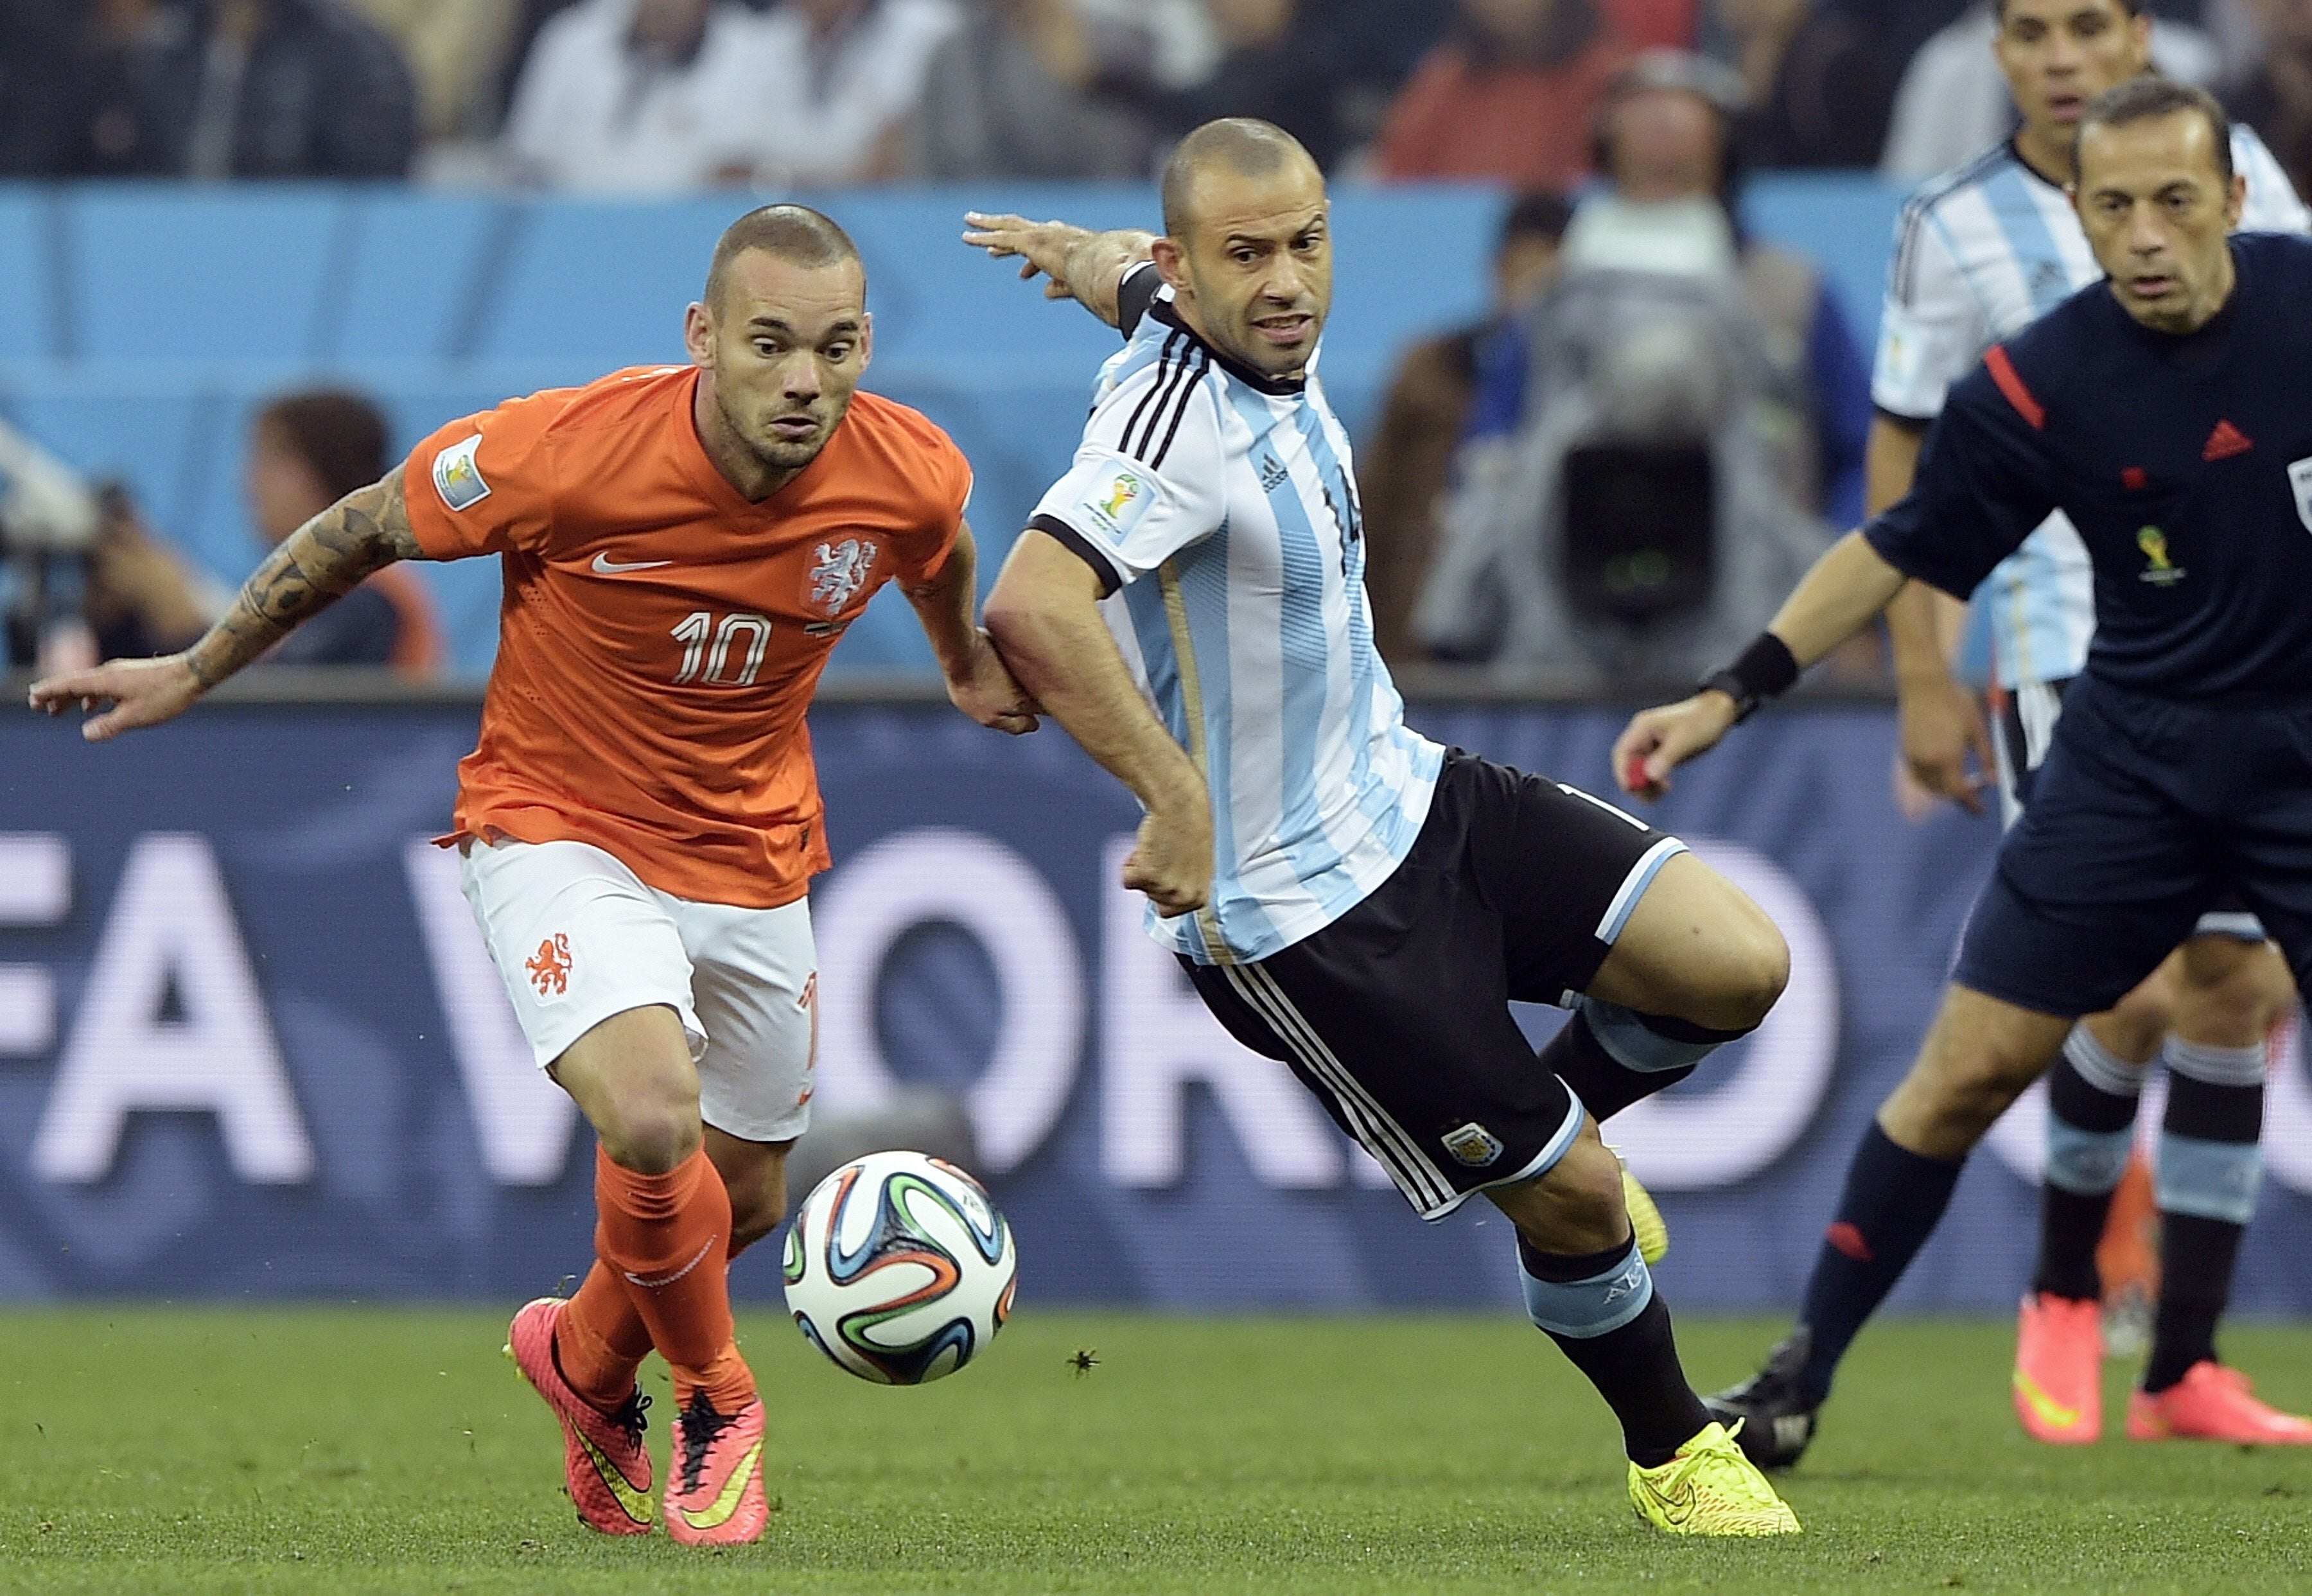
(608, 566)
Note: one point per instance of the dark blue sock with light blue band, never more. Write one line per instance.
(2091, 1098)
(2211, 1167)
(1603, 1312)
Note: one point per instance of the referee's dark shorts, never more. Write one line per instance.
(2147, 814)
(1397, 1014)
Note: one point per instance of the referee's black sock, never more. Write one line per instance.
(2209, 1169)
(2091, 1099)
(1611, 1057)
(1893, 1201)
(1602, 1311)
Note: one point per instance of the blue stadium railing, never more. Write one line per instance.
(140, 325)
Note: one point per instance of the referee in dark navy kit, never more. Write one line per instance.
(2167, 411)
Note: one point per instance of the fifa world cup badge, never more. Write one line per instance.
(1120, 505)
(2162, 572)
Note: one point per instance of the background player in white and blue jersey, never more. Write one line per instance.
(1981, 253)
(2165, 411)
(1346, 896)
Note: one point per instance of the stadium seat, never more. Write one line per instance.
(197, 274)
(416, 276)
(597, 283)
(28, 308)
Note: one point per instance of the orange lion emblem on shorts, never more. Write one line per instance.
(550, 967)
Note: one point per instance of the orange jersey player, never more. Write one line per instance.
(681, 547)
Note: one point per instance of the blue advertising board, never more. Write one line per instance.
(251, 1046)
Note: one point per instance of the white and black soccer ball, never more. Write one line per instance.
(899, 1268)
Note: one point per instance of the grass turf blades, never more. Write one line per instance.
(374, 1451)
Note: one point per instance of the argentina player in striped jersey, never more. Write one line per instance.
(1344, 895)
(1981, 253)
(2165, 411)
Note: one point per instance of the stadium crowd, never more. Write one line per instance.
(1685, 405)
(666, 95)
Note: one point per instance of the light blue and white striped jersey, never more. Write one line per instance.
(1220, 510)
(1981, 253)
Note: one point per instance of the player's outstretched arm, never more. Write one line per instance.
(314, 567)
(977, 681)
(1848, 585)
(1044, 615)
(1082, 264)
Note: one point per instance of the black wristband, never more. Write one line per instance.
(1765, 670)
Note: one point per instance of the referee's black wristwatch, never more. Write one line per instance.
(1765, 670)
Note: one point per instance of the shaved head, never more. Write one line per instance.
(1244, 147)
(792, 232)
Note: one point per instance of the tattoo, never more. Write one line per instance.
(317, 564)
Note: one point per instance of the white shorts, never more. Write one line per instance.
(578, 937)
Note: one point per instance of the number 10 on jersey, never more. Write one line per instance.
(707, 647)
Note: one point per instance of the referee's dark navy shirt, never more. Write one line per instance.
(2185, 462)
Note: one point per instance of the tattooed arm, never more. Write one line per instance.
(313, 568)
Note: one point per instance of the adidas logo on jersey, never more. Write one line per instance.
(2224, 443)
(1272, 474)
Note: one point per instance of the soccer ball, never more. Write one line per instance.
(899, 1268)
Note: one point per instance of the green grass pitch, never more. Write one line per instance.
(156, 1450)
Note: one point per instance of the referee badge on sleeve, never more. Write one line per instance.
(1473, 1145)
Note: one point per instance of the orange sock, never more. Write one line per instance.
(668, 1238)
(601, 1340)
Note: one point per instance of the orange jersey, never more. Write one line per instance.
(660, 637)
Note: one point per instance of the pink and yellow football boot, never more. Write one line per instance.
(715, 1496)
(2059, 1370)
(602, 1453)
(2213, 1403)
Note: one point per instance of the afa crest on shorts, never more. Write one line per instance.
(2300, 477)
(1473, 1145)
(837, 572)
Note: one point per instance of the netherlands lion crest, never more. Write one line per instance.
(837, 572)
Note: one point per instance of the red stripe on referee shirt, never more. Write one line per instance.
(2010, 383)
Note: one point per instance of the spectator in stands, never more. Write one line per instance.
(278, 89)
(1818, 76)
(47, 101)
(642, 96)
(1953, 103)
(842, 86)
(306, 451)
(456, 50)
(1513, 95)
(2276, 98)
(1402, 469)
(1676, 366)
(1007, 96)
(200, 88)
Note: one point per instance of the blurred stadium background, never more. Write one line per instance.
(250, 1044)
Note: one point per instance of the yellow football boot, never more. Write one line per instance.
(1710, 1488)
(1645, 1219)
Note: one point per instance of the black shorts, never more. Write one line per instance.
(1397, 1014)
(2026, 729)
(2146, 813)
